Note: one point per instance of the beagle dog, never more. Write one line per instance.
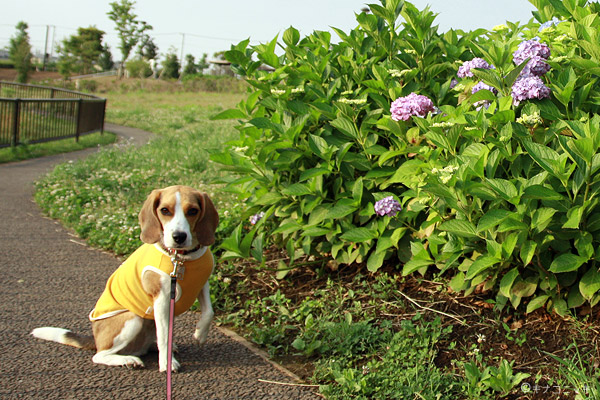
(132, 314)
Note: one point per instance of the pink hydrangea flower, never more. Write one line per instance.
(412, 105)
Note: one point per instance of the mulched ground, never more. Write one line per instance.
(525, 339)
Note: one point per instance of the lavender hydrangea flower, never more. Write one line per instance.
(537, 53)
(257, 217)
(465, 70)
(549, 24)
(529, 49)
(387, 206)
(412, 105)
(481, 86)
(529, 87)
(536, 66)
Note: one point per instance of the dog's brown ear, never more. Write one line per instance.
(149, 222)
(206, 225)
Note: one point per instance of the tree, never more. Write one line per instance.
(105, 60)
(148, 50)
(20, 52)
(203, 63)
(171, 66)
(129, 28)
(190, 65)
(82, 50)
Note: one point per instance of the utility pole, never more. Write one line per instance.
(181, 56)
(52, 43)
(46, 48)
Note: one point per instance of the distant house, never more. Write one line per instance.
(4, 55)
(223, 67)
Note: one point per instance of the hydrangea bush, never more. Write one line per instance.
(377, 149)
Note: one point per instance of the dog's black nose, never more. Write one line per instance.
(179, 237)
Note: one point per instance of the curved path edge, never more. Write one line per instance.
(50, 278)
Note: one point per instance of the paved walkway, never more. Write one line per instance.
(49, 278)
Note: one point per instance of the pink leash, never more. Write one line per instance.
(170, 337)
(177, 268)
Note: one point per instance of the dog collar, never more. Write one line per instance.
(177, 252)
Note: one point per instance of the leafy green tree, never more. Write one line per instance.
(105, 60)
(190, 65)
(20, 52)
(129, 28)
(203, 63)
(148, 50)
(66, 66)
(83, 50)
(171, 66)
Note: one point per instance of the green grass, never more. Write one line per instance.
(100, 197)
(27, 151)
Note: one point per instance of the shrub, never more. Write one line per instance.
(138, 68)
(171, 67)
(497, 193)
(213, 83)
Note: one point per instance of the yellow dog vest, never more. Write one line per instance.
(124, 291)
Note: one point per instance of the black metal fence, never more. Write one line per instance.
(34, 114)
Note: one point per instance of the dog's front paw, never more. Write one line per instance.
(132, 362)
(201, 335)
(174, 365)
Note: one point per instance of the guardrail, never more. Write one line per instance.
(35, 114)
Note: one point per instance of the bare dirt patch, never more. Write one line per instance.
(527, 340)
(7, 74)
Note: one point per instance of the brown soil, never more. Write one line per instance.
(528, 340)
(7, 74)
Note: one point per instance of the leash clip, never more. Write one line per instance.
(178, 268)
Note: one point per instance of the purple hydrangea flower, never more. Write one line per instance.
(529, 87)
(465, 70)
(453, 83)
(257, 217)
(480, 86)
(529, 49)
(387, 206)
(412, 105)
(549, 24)
(536, 66)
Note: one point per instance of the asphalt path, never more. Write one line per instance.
(51, 278)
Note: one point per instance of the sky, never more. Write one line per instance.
(211, 26)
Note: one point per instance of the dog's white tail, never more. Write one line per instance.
(64, 336)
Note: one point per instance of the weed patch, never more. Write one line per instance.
(27, 151)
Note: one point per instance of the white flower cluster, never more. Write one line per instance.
(447, 124)
(530, 120)
(445, 174)
(396, 73)
(352, 101)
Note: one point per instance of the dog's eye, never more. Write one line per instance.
(165, 211)
(192, 211)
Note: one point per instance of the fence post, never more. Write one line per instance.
(103, 116)
(79, 103)
(15, 130)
